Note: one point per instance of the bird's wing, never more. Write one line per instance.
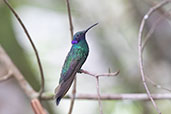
(72, 64)
(66, 82)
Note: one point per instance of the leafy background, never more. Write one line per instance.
(113, 44)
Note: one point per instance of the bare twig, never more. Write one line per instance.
(156, 23)
(140, 51)
(17, 74)
(161, 10)
(32, 44)
(6, 77)
(37, 107)
(97, 84)
(157, 85)
(147, 37)
(70, 18)
(128, 96)
(99, 75)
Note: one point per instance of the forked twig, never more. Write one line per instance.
(97, 76)
(32, 44)
(140, 51)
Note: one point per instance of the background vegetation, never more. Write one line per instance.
(113, 44)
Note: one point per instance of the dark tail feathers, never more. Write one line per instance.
(58, 100)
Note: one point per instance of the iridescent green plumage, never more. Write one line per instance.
(73, 62)
(77, 55)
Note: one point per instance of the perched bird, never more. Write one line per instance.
(73, 63)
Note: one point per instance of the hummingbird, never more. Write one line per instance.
(73, 63)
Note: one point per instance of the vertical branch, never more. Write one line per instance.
(32, 44)
(140, 51)
(75, 80)
(70, 18)
(98, 94)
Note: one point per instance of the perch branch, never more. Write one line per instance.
(97, 84)
(128, 96)
(32, 44)
(140, 51)
(99, 75)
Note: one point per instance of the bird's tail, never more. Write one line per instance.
(58, 100)
(57, 97)
(62, 89)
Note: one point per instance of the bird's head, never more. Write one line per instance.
(81, 35)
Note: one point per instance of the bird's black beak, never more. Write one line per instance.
(90, 27)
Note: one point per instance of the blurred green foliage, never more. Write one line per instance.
(116, 39)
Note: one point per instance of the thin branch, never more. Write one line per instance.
(6, 77)
(17, 74)
(70, 18)
(157, 85)
(75, 80)
(97, 84)
(99, 75)
(140, 51)
(147, 37)
(128, 96)
(156, 23)
(162, 11)
(32, 44)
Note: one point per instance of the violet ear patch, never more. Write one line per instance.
(74, 42)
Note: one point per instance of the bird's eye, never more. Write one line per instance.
(78, 35)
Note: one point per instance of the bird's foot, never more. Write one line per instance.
(80, 71)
